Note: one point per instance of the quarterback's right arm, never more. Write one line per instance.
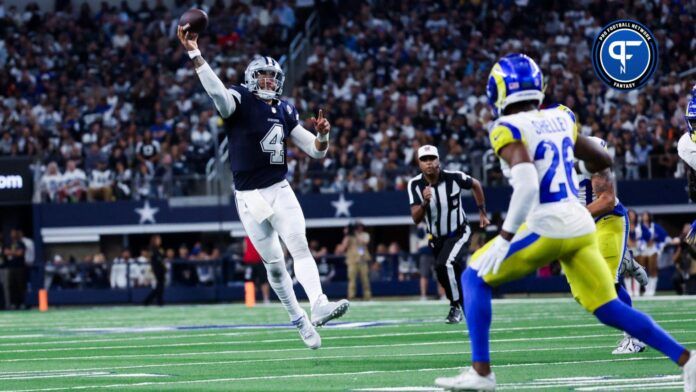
(222, 97)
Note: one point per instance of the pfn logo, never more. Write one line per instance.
(11, 182)
(621, 55)
(624, 55)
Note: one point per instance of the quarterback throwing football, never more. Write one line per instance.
(257, 122)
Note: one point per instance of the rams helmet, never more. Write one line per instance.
(514, 78)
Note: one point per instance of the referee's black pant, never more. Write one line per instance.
(450, 253)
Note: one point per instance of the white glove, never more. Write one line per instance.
(493, 258)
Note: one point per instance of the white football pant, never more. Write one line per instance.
(287, 220)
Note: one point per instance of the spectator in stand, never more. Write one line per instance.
(100, 183)
(74, 182)
(254, 271)
(51, 183)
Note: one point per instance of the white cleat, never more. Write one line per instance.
(690, 373)
(324, 311)
(467, 380)
(308, 333)
(629, 345)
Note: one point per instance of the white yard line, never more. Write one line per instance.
(278, 350)
(288, 330)
(605, 381)
(313, 357)
(126, 324)
(315, 375)
(235, 343)
(674, 385)
(67, 320)
(343, 348)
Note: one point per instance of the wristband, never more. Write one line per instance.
(323, 137)
(482, 208)
(194, 53)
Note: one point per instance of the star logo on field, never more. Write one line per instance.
(342, 206)
(147, 213)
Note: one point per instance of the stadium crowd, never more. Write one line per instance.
(108, 103)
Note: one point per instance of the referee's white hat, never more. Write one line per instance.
(428, 151)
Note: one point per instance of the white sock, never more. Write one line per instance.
(308, 275)
(280, 281)
(652, 285)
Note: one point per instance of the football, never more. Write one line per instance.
(194, 20)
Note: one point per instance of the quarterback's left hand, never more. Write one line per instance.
(691, 237)
(321, 124)
(493, 258)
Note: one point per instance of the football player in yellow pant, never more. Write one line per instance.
(597, 194)
(540, 147)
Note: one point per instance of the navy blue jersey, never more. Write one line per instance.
(256, 133)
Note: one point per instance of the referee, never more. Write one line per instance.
(435, 196)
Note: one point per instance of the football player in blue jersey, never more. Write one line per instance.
(257, 123)
(687, 151)
(545, 222)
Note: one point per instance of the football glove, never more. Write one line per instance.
(492, 259)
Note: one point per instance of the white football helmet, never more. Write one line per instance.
(252, 73)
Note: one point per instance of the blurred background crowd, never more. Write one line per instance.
(107, 102)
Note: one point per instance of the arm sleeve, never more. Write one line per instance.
(414, 198)
(225, 100)
(463, 180)
(304, 139)
(525, 188)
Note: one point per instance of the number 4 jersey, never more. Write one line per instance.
(549, 136)
(256, 133)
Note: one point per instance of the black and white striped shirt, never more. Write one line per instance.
(444, 215)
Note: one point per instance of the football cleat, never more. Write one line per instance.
(689, 371)
(467, 380)
(324, 311)
(309, 335)
(629, 345)
(455, 315)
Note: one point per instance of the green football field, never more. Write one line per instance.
(537, 344)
